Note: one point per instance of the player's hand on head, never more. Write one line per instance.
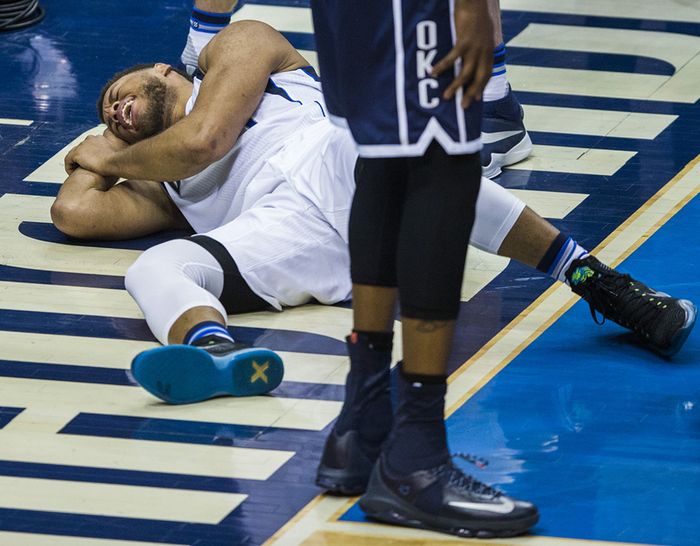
(474, 46)
(92, 154)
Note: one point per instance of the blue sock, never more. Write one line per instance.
(559, 256)
(203, 27)
(418, 440)
(205, 21)
(206, 329)
(497, 86)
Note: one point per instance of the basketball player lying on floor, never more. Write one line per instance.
(266, 181)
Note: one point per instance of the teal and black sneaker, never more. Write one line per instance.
(183, 374)
(662, 322)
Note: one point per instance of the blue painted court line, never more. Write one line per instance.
(600, 433)
(8, 414)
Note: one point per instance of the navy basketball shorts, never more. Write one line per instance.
(376, 59)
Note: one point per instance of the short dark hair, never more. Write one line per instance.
(126, 72)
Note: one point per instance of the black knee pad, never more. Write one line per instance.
(438, 214)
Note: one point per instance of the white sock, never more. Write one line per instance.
(569, 252)
(497, 86)
(203, 27)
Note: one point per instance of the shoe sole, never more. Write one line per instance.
(395, 511)
(182, 374)
(515, 155)
(683, 332)
(337, 482)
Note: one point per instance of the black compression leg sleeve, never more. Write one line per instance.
(438, 215)
(375, 219)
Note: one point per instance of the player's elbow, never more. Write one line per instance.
(208, 147)
(71, 218)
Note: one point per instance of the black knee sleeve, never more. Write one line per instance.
(375, 220)
(237, 297)
(438, 214)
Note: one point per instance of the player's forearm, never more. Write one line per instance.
(177, 153)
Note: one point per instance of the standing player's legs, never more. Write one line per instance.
(503, 133)
(207, 19)
(409, 228)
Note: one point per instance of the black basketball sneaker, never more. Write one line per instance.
(662, 322)
(445, 499)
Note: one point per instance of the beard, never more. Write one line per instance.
(159, 98)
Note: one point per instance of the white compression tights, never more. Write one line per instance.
(171, 278)
(497, 210)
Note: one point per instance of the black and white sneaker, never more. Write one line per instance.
(503, 135)
(445, 499)
(662, 322)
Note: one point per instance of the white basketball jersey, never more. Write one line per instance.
(292, 102)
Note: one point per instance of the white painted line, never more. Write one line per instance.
(583, 121)
(126, 501)
(590, 83)
(10, 121)
(662, 10)
(19, 251)
(675, 49)
(35, 539)
(284, 19)
(680, 50)
(67, 399)
(569, 159)
(31, 442)
(77, 350)
(551, 204)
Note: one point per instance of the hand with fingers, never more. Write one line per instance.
(93, 154)
(473, 50)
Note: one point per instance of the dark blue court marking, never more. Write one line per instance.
(581, 60)
(118, 376)
(41, 231)
(600, 433)
(8, 414)
(39, 276)
(127, 328)
(301, 40)
(63, 372)
(191, 432)
(57, 523)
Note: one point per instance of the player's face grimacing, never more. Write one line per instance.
(137, 105)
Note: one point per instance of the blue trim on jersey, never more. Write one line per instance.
(321, 107)
(250, 123)
(310, 71)
(274, 89)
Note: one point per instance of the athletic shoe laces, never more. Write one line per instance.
(622, 299)
(459, 480)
